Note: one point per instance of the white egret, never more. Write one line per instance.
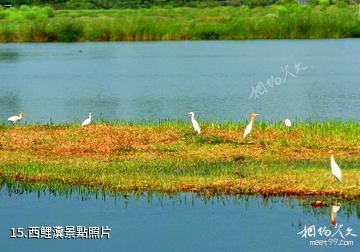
(335, 169)
(87, 121)
(287, 123)
(195, 123)
(334, 210)
(16, 118)
(250, 125)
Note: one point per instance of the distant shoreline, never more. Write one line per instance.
(35, 24)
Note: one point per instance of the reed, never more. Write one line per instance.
(292, 21)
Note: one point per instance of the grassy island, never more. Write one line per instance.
(168, 157)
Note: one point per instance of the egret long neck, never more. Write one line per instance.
(332, 159)
(252, 121)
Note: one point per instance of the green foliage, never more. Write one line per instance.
(324, 4)
(342, 3)
(25, 13)
(290, 21)
(126, 4)
(66, 31)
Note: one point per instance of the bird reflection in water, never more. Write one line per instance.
(334, 209)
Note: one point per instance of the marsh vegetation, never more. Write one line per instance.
(292, 21)
(169, 157)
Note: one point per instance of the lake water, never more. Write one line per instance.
(157, 80)
(185, 222)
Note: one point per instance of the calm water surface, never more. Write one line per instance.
(185, 222)
(158, 80)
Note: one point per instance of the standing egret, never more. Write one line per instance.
(250, 125)
(16, 118)
(287, 123)
(87, 121)
(334, 210)
(335, 169)
(195, 123)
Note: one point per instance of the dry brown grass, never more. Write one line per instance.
(103, 141)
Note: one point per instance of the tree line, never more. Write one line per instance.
(108, 4)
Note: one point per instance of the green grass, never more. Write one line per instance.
(168, 157)
(271, 22)
(267, 178)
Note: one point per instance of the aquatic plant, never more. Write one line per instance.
(289, 21)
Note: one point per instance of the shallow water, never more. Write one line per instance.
(184, 222)
(156, 80)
